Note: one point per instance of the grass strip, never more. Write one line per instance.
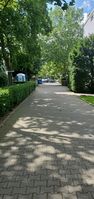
(88, 99)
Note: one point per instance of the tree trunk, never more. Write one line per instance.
(6, 59)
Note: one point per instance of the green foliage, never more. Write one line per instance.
(20, 23)
(81, 68)
(88, 99)
(3, 79)
(62, 3)
(50, 69)
(66, 31)
(13, 95)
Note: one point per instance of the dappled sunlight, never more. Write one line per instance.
(43, 131)
(22, 122)
(38, 162)
(65, 156)
(70, 189)
(87, 156)
(91, 151)
(76, 135)
(88, 176)
(4, 144)
(49, 146)
(13, 134)
(12, 160)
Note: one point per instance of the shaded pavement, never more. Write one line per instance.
(47, 147)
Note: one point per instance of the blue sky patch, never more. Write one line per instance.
(87, 5)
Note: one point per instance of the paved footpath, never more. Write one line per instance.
(47, 147)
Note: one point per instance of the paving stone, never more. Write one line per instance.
(52, 150)
(84, 196)
(92, 195)
(40, 196)
(47, 189)
(41, 171)
(7, 191)
(40, 183)
(10, 197)
(27, 183)
(63, 189)
(73, 189)
(21, 190)
(4, 184)
(55, 196)
(53, 182)
(14, 184)
(87, 188)
(30, 190)
(34, 177)
(69, 196)
(25, 197)
(44, 177)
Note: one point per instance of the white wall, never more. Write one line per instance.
(89, 25)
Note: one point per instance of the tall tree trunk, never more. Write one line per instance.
(6, 58)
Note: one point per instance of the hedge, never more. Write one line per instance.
(13, 95)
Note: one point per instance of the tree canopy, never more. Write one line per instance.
(20, 23)
(62, 3)
(81, 67)
(66, 31)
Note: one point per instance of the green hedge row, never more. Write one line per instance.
(13, 95)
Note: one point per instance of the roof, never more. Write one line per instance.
(20, 74)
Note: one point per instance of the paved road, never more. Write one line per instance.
(47, 147)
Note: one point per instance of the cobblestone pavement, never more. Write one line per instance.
(47, 147)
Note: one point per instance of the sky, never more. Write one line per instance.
(87, 5)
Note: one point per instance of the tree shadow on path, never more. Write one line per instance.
(47, 149)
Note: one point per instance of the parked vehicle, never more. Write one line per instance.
(45, 80)
(21, 77)
(39, 80)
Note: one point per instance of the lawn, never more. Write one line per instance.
(88, 99)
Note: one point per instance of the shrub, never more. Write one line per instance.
(81, 67)
(3, 79)
(13, 95)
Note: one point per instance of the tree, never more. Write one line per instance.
(66, 31)
(20, 22)
(62, 3)
(81, 68)
(51, 70)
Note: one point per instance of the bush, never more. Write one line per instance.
(3, 79)
(81, 67)
(13, 95)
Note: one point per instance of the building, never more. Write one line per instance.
(89, 25)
